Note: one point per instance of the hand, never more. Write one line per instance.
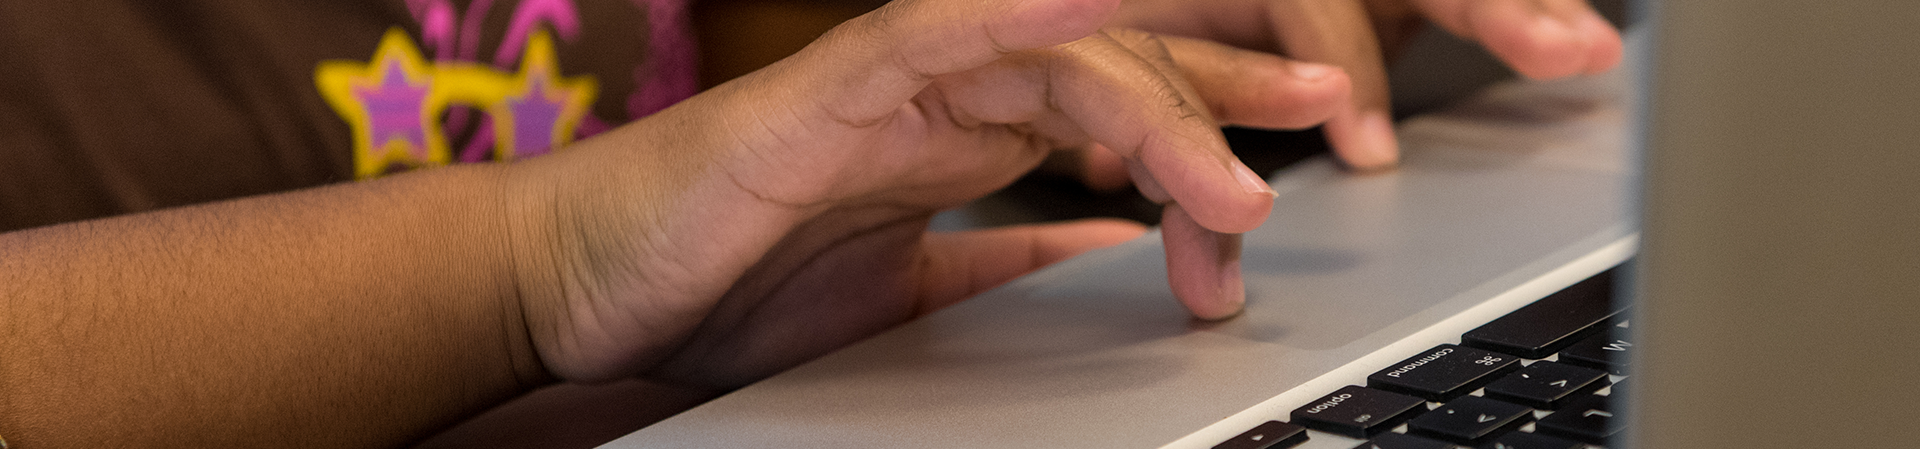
(1540, 39)
(783, 214)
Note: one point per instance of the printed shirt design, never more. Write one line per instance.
(403, 107)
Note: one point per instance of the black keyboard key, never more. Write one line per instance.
(1560, 319)
(1444, 372)
(1607, 350)
(1272, 435)
(1403, 441)
(1470, 419)
(1546, 385)
(1523, 440)
(1358, 412)
(1589, 420)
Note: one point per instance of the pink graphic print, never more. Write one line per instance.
(558, 13)
(666, 77)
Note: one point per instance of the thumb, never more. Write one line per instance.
(867, 67)
(959, 265)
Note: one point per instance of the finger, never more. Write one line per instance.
(1338, 32)
(1105, 171)
(1258, 89)
(1239, 87)
(1118, 89)
(1097, 168)
(1541, 39)
(1203, 266)
(868, 67)
(1143, 180)
(1178, 145)
(960, 265)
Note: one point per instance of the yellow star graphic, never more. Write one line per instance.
(390, 105)
(394, 103)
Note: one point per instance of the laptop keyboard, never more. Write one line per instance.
(1538, 377)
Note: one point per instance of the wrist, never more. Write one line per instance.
(516, 224)
(621, 245)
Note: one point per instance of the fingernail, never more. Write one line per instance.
(1252, 182)
(1377, 146)
(1307, 71)
(1547, 28)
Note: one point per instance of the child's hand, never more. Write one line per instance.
(1539, 38)
(783, 214)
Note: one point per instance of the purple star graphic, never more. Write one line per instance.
(535, 118)
(394, 108)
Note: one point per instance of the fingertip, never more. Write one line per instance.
(1365, 142)
(1550, 50)
(1534, 42)
(1237, 212)
(1225, 300)
(1251, 182)
(1221, 312)
(1604, 47)
(1381, 149)
(1203, 267)
(1251, 216)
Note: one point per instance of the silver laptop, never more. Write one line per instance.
(1505, 199)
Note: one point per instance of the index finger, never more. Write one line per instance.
(1338, 32)
(1173, 139)
(1120, 89)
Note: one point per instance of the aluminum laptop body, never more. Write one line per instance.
(1500, 201)
(1778, 287)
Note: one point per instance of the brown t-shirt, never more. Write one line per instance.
(116, 106)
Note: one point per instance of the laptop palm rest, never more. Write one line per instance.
(1095, 352)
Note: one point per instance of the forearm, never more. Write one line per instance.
(348, 316)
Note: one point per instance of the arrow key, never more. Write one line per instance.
(1470, 419)
(1589, 419)
(1546, 385)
